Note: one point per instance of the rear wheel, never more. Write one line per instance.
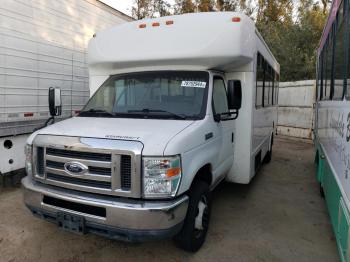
(194, 231)
(321, 191)
(268, 155)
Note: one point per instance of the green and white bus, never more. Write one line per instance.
(332, 122)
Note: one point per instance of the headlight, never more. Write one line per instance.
(161, 176)
(28, 150)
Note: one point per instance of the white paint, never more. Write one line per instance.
(13, 158)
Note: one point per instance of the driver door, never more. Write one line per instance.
(224, 128)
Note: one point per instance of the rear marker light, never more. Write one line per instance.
(169, 22)
(142, 26)
(155, 24)
(236, 19)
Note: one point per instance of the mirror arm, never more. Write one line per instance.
(217, 118)
(235, 114)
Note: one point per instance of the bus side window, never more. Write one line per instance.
(339, 55)
(329, 57)
(259, 81)
(324, 73)
(347, 53)
(267, 84)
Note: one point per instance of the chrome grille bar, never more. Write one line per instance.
(110, 166)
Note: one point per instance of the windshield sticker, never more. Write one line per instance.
(197, 84)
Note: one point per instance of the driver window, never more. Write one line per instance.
(220, 104)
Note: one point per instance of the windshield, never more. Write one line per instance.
(161, 94)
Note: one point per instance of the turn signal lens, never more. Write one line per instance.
(173, 172)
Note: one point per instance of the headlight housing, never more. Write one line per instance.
(28, 151)
(161, 176)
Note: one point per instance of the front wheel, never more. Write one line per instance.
(194, 231)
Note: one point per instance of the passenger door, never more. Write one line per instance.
(224, 128)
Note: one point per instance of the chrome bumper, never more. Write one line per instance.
(126, 219)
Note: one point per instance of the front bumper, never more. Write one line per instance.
(117, 218)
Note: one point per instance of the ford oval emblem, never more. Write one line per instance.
(75, 168)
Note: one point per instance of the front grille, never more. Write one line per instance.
(100, 171)
(54, 164)
(125, 172)
(79, 181)
(40, 161)
(104, 173)
(78, 154)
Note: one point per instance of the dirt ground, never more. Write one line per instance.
(278, 217)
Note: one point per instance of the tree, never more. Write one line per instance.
(161, 8)
(276, 11)
(226, 5)
(142, 9)
(294, 43)
(184, 6)
(205, 5)
(150, 8)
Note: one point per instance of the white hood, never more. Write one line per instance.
(153, 133)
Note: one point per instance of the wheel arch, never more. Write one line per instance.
(204, 174)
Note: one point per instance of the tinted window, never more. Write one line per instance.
(328, 76)
(259, 81)
(220, 104)
(339, 56)
(267, 84)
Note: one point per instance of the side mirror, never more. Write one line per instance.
(55, 102)
(234, 94)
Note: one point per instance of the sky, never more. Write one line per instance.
(124, 5)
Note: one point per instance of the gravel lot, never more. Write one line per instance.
(278, 217)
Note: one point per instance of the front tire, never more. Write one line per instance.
(194, 230)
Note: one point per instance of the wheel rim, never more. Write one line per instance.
(202, 218)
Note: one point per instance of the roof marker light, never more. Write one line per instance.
(155, 24)
(29, 114)
(170, 22)
(142, 26)
(236, 19)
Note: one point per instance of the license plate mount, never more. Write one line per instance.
(71, 223)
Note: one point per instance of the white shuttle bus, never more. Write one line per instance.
(177, 105)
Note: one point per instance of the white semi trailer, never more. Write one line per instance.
(178, 104)
(43, 44)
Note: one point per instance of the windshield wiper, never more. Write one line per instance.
(147, 111)
(93, 112)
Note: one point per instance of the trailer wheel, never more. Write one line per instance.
(194, 231)
(268, 156)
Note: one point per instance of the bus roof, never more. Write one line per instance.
(221, 40)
